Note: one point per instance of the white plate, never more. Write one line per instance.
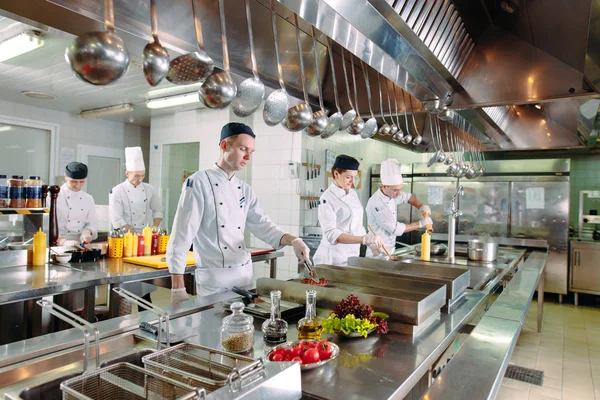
(335, 351)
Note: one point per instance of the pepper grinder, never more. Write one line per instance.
(54, 190)
(44, 195)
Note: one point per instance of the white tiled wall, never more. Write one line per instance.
(268, 173)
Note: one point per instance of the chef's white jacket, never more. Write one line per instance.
(382, 214)
(75, 212)
(212, 213)
(339, 212)
(135, 206)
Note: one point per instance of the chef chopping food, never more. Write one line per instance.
(214, 209)
(132, 205)
(340, 215)
(75, 209)
(382, 207)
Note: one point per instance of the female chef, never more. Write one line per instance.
(341, 217)
(75, 209)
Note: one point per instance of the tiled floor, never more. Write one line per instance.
(567, 350)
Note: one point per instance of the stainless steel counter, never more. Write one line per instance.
(28, 282)
(477, 370)
(382, 367)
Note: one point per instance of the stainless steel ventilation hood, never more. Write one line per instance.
(491, 66)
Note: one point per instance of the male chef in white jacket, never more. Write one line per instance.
(214, 209)
(75, 209)
(132, 205)
(382, 207)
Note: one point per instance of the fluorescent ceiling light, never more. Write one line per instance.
(105, 111)
(20, 44)
(173, 101)
(165, 91)
(5, 128)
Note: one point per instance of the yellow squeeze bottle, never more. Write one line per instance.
(426, 242)
(39, 248)
(147, 232)
(128, 250)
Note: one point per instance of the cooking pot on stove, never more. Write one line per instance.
(479, 250)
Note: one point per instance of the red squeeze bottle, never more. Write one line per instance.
(140, 249)
(154, 243)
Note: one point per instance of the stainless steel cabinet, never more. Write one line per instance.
(585, 268)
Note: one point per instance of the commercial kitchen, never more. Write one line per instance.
(474, 124)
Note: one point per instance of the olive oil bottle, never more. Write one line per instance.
(310, 327)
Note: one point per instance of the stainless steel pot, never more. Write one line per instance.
(479, 250)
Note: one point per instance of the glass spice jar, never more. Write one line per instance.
(237, 331)
(16, 191)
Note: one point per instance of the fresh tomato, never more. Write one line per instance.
(279, 350)
(296, 350)
(288, 357)
(324, 348)
(310, 356)
(311, 343)
(278, 357)
(297, 359)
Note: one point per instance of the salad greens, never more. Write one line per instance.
(348, 324)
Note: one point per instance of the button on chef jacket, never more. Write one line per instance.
(339, 212)
(382, 215)
(135, 206)
(212, 213)
(75, 212)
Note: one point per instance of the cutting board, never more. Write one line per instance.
(157, 261)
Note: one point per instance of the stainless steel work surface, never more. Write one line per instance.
(28, 282)
(456, 279)
(410, 306)
(480, 363)
(379, 367)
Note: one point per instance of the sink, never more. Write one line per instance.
(37, 371)
(46, 391)
(135, 358)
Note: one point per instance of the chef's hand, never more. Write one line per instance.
(86, 236)
(301, 249)
(179, 295)
(375, 250)
(155, 229)
(425, 210)
(368, 240)
(425, 221)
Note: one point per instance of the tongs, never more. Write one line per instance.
(312, 274)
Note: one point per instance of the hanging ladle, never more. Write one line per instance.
(219, 89)
(335, 120)
(357, 125)
(320, 120)
(416, 141)
(99, 57)
(155, 58)
(394, 126)
(385, 128)
(350, 114)
(407, 138)
(371, 124)
(449, 157)
(299, 116)
(251, 91)
(278, 102)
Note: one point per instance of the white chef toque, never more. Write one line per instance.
(391, 174)
(134, 159)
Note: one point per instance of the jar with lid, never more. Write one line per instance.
(275, 328)
(33, 192)
(237, 331)
(3, 191)
(16, 192)
(310, 327)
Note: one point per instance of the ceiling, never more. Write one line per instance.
(490, 63)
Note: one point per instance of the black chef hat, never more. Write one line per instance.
(76, 170)
(346, 162)
(235, 128)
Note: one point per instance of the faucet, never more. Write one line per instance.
(454, 212)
